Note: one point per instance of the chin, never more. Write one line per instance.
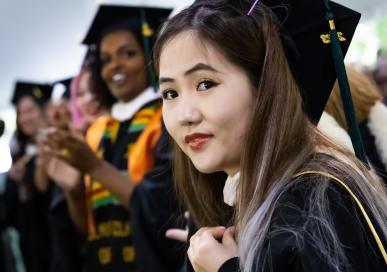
(206, 168)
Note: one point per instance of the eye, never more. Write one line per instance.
(206, 84)
(104, 59)
(169, 94)
(130, 53)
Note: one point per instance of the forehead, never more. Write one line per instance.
(118, 38)
(187, 49)
(26, 102)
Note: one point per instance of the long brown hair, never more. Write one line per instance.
(280, 139)
(364, 95)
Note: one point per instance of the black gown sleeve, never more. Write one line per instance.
(230, 265)
(291, 246)
(292, 221)
(154, 209)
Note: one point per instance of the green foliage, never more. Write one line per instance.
(381, 30)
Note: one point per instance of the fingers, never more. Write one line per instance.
(50, 138)
(206, 253)
(228, 239)
(186, 215)
(205, 235)
(215, 232)
(54, 143)
(177, 234)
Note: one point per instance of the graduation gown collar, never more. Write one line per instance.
(123, 111)
(229, 190)
(377, 124)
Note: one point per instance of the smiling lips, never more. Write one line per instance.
(119, 79)
(197, 140)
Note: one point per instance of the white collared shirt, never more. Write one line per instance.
(122, 111)
(229, 190)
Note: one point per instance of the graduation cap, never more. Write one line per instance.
(143, 21)
(316, 36)
(305, 35)
(131, 18)
(41, 93)
(61, 89)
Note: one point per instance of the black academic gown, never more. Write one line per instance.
(27, 210)
(371, 150)
(65, 242)
(285, 254)
(154, 209)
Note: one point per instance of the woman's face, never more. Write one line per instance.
(207, 102)
(85, 100)
(123, 65)
(29, 116)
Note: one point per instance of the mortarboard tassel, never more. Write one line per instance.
(147, 34)
(345, 91)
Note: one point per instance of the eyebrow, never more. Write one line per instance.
(197, 67)
(120, 49)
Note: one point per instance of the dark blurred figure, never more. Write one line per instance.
(2, 127)
(26, 207)
(2, 218)
(380, 74)
(65, 242)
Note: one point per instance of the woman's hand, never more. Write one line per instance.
(211, 247)
(71, 148)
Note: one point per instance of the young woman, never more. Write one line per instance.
(127, 158)
(26, 206)
(233, 107)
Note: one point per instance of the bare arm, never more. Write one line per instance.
(74, 150)
(77, 208)
(115, 181)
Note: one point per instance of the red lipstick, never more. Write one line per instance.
(197, 140)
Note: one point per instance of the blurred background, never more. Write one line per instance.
(40, 41)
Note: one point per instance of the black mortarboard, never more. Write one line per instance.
(316, 36)
(41, 93)
(62, 88)
(141, 20)
(305, 35)
(128, 17)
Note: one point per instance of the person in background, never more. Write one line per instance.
(128, 185)
(85, 108)
(243, 85)
(65, 241)
(26, 207)
(371, 116)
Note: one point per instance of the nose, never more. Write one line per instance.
(115, 63)
(189, 113)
